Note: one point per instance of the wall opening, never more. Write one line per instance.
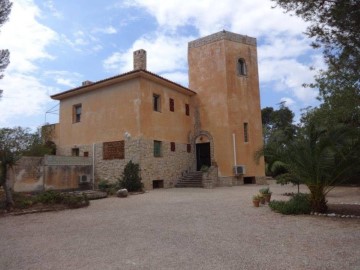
(203, 155)
(249, 180)
(158, 184)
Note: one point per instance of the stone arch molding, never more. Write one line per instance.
(209, 138)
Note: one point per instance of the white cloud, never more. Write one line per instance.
(27, 97)
(178, 77)
(64, 78)
(106, 30)
(27, 40)
(25, 37)
(283, 46)
(288, 75)
(288, 101)
(49, 4)
(254, 17)
(165, 54)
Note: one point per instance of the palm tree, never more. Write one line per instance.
(319, 158)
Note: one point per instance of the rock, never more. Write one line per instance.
(122, 193)
(332, 215)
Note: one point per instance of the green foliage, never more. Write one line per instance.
(278, 124)
(318, 157)
(109, 188)
(204, 168)
(297, 205)
(50, 198)
(5, 9)
(265, 191)
(74, 201)
(103, 185)
(130, 178)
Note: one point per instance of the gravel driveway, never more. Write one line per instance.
(182, 229)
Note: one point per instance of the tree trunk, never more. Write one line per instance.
(317, 199)
(9, 202)
(8, 194)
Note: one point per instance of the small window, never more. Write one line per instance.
(172, 105)
(157, 148)
(187, 109)
(86, 154)
(75, 152)
(241, 67)
(76, 113)
(172, 146)
(246, 132)
(188, 148)
(156, 103)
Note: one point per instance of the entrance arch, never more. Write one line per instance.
(204, 150)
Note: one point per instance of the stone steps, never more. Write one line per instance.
(191, 179)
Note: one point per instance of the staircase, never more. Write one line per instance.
(191, 179)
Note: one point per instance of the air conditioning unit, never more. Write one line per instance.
(84, 178)
(239, 169)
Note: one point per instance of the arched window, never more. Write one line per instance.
(241, 67)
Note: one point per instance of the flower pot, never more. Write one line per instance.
(256, 203)
(262, 200)
(267, 197)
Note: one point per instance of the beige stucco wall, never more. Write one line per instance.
(48, 173)
(164, 125)
(107, 114)
(226, 100)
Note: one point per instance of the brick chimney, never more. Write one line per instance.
(139, 59)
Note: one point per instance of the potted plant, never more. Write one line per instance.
(262, 198)
(256, 200)
(266, 193)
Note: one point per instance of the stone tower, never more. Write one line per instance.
(139, 59)
(223, 71)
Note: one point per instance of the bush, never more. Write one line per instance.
(103, 185)
(73, 201)
(109, 188)
(130, 178)
(297, 205)
(49, 197)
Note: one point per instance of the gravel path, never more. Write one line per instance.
(182, 229)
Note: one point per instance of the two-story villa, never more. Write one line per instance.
(167, 128)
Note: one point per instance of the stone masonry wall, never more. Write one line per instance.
(169, 167)
(111, 170)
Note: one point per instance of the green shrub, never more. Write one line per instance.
(49, 197)
(265, 191)
(103, 185)
(109, 188)
(297, 205)
(204, 168)
(73, 201)
(130, 178)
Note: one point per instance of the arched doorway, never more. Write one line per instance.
(203, 152)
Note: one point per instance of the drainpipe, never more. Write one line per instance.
(93, 165)
(234, 146)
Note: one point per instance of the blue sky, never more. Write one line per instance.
(57, 44)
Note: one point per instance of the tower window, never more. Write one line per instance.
(246, 132)
(241, 67)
